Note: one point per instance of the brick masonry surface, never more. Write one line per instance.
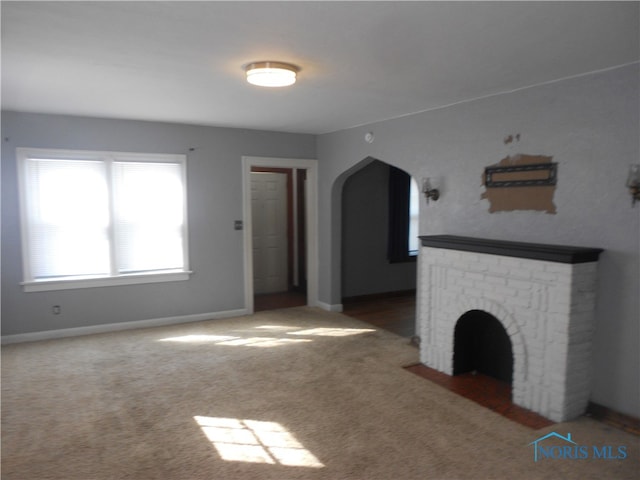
(546, 308)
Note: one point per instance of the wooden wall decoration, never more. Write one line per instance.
(521, 182)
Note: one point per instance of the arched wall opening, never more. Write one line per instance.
(373, 260)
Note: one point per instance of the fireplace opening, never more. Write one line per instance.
(482, 345)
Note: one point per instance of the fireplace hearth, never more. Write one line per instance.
(482, 303)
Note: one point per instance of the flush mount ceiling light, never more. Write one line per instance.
(271, 74)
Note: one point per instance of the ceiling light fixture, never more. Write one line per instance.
(271, 74)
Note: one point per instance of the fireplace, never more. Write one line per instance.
(519, 312)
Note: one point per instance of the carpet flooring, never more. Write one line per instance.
(297, 393)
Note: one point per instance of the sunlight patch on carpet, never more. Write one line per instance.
(236, 341)
(262, 342)
(332, 332)
(256, 441)
(270, 341)
(277, 328)
(198, 338)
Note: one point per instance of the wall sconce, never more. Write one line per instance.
(429, 188)
(633, 183)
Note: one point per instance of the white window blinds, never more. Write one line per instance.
(68, 218)
(148, 216)
(101, 214)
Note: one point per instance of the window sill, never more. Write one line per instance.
(46, 285)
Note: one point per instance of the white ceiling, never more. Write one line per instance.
(361, 61)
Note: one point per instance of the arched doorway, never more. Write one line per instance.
(378, 262)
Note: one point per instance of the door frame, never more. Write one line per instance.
(311, 208)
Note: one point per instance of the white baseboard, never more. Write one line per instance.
(337, 307)
(114, 327)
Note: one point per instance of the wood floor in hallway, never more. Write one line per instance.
(395, 312)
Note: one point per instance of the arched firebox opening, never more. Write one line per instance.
(482, 345)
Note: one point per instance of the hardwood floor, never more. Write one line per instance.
(395, 312)
(486, 391)
(272, 301)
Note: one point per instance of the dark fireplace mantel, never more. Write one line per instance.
(534, 251)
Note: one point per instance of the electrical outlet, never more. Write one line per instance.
(56, 309)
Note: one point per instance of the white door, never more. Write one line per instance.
(269, 227)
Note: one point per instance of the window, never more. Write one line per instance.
(101, 218)
(414, 218)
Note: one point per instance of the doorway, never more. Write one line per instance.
(278, 231)
(280, 211)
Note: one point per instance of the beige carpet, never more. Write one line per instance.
(290, 394)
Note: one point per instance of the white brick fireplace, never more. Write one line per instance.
(544, 297)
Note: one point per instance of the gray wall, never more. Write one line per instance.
(365, 225)
(589, 125)
(214, 174)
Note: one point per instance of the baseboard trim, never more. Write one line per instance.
(114, 327)
(611, 417)
(337, 307)
(379, 296)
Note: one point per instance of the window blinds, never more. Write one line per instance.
(102, 217)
